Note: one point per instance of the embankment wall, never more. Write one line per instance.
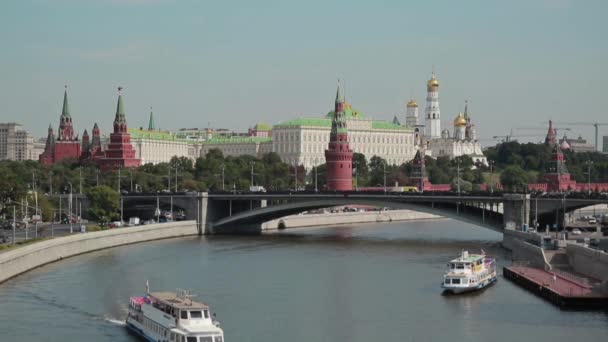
(588, 261)
(326, 219)
(524, 251)
(19, 260)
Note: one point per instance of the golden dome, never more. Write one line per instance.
(460, 120)
(412, 103)
(432, 82)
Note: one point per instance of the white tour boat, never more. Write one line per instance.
(172, 317)
(469, 272)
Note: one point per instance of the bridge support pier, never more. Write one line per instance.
(516, 211)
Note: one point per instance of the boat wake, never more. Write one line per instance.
(115, 321)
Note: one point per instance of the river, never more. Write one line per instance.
(375, 282)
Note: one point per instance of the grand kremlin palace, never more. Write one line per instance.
(303, 141)
(299, 141)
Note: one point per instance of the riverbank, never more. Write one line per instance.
(330, 219)
(16, 261)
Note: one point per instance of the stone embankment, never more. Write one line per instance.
(327, 219)
(16, 261)
(524, 248)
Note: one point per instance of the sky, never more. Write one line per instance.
(233, 63)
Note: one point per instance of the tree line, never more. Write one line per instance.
(513, 164)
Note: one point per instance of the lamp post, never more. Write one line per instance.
(70, 209)
(384, 174)
(491, 162)
(589, 163)
(356, 162)
(458, 175)
(252, 163)
(51, 183)
(223, 176)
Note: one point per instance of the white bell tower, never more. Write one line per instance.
(432, 127)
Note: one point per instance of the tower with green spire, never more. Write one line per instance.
(151, 125)
(66, 144)
(66, 129)
(120, 152)
(339, 156)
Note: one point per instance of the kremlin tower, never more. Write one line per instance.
(66, 145)
(460, 126)
(120, 152)
(551, 138)
(411, 114)
(95, 147)
(432, 128)
(339, 156)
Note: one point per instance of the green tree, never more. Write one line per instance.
(361, 168)
(514, 179)
(104, 204)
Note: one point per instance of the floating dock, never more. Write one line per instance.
(563, 291)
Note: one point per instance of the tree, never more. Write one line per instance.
(377, 167)
(361, 168)
(514, 179)
(104, 204)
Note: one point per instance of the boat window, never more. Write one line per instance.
(206, 313)
(184, 314)
(195, 314)
(191, 339)
(172, 337)
(456, 281)
(459, 266)
(206, 339)
(218, 339)
(447, 280)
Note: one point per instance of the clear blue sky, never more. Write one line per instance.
(234, 63)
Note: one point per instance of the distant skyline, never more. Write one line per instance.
(235, 63)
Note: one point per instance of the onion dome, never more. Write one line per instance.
(412, 104)
(564, 144)
(460, 120)
(432, 82)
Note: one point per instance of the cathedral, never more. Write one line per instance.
(437, 142)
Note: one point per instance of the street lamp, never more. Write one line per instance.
(223, 167)
(491, 162)
(356, 162)
(458, 175)
(70, 209)
(589, 163)
(384, 174)
(252, 163)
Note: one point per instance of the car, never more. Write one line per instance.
(592, 221)
(115, 224)
(576, 231)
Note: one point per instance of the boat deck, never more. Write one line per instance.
(557, 288)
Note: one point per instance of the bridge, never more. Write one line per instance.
(244, 213)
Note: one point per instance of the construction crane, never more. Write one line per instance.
(507, 138)
(594, 124)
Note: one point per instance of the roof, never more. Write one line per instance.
(326, 122)
(388, 125)
(263, 127)
(156, 135)
(469, 258)
(173, 300)
(317, 122)
(349, 113)
(237, 140)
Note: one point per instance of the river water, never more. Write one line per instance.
(356, 283)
